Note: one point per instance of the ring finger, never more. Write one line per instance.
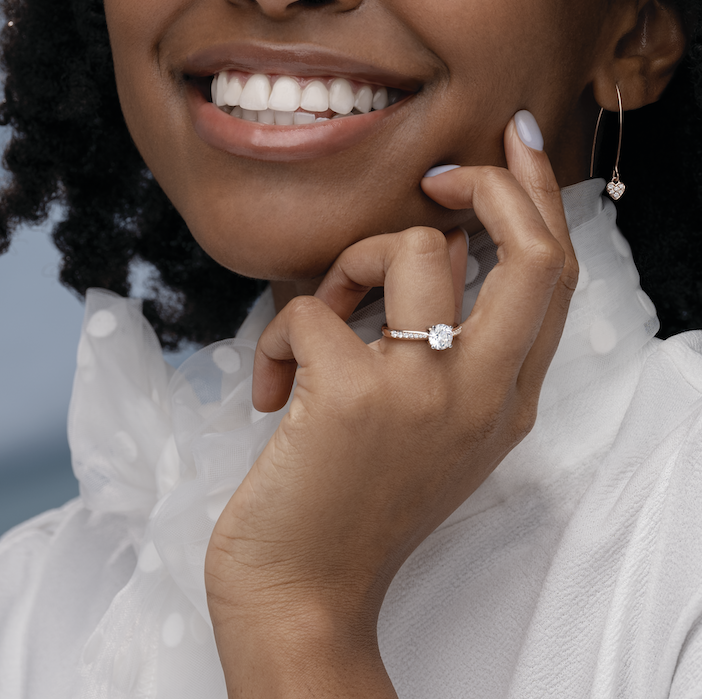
(414, 266)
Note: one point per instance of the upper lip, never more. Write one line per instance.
(304, 60)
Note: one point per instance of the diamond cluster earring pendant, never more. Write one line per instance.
(615, 187)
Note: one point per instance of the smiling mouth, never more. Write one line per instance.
(286, 103)
(286, 100)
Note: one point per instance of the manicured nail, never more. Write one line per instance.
(528, 130)
(434, 171)
(465, 233)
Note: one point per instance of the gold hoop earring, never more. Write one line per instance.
(615, 187)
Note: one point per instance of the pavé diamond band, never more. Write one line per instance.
(439, 337)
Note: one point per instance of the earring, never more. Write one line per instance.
(615, 187)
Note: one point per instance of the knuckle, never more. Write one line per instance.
(491, 174)
(303, 307)
(524, 421)
(492, 179)
(545, 255)
(544, 188)
(422, 240)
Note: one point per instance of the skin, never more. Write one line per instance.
(302, 556)
(458, 117)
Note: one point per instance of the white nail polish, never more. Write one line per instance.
(255, 94)
(315, 97)
(439, 169)
(341, 96)
(465, 233)
(528, 130)
(285, 95)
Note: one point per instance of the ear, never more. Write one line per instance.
(646, 41)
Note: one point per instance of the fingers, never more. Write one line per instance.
(524, 301)
(306, 333)
(518, 318)
(530, 169)
(515, 296)
(414, 266)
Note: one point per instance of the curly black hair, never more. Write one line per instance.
(70, 145)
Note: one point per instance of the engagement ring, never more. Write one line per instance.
(439, 337)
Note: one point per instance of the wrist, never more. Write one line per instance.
(280, 651)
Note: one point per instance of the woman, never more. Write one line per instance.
(364, 543)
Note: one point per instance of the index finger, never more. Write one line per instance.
(515, 296)
(535, 204)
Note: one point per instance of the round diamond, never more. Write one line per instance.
(440, 336)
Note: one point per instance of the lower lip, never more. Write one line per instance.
(280, 143)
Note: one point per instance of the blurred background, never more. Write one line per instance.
(40, 324)
(39, 329)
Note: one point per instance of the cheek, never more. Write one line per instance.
(290, 221)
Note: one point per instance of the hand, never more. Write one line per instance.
(383, 441)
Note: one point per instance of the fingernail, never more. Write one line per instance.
(434, 171)
(465, 233)
(528, 130)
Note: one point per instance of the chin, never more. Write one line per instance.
(284, 244)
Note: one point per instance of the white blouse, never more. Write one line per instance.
(574, 571)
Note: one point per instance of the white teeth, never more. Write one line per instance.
(303, 118)
(255, 94)
(257, 101)
(233, 92)
(285, 95)
(219, 90)
(364, 99)
(380, 99)
(213, 90)
(266, 116)
(284, 118)
(341, 96)
(315, 97)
